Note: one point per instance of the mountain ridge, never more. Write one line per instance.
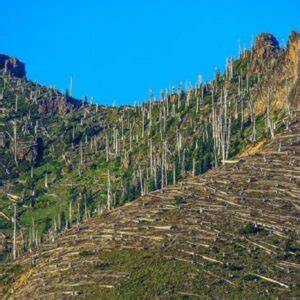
(64, 161)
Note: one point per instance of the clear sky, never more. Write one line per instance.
(118, 50)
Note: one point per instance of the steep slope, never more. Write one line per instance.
(233, 231)
(63, 160)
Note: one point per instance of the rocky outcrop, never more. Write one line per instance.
(58, 105)
(26, 152)
(265, 45)
(293, 51)
(12, 66)
(268, 58)
(31, 152)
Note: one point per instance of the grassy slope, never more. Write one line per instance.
(202, 237)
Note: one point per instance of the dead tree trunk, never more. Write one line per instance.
(15, 142)
(15, 233)
(109, 199)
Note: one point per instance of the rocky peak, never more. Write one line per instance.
(265, 45)
(12, 66)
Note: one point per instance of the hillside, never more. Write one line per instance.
(233, 231)
(202, 182)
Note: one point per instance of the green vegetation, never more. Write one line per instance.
(64, 160)
(250, 229)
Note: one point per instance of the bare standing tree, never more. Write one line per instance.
(16, 103)
(70, 213)
(109, 198)
(270, 124)
(71, 87)
(46, 180)
(81, 154)
(15, 141)
(15, 233)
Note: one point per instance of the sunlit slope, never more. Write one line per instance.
(233, 231)
(59, 154)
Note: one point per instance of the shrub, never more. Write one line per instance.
(250, 229)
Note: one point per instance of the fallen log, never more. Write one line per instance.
(198, 244)
(271, 280)
(219, 277)
(262, 247)
(224, 161)
(203, 257)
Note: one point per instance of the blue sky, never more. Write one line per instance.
(118, 50)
